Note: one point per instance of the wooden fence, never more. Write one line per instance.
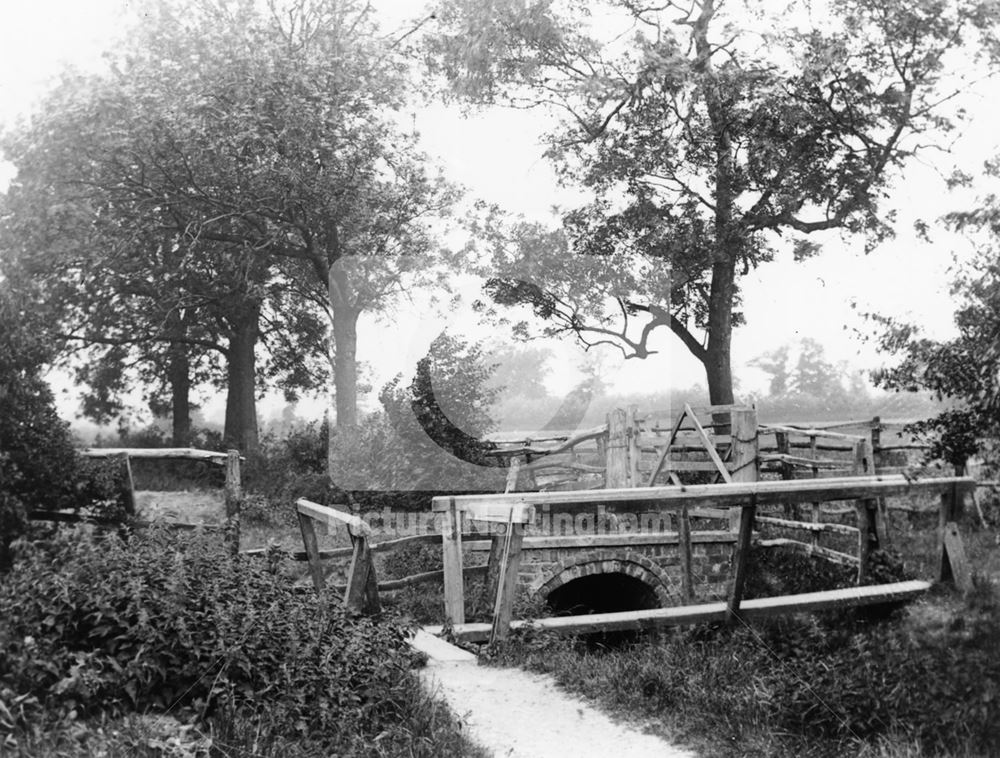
(742, 497)
(233, 489)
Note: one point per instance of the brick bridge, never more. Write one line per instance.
(642, 568)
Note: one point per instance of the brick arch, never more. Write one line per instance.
(637, 566)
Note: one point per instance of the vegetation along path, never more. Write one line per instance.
(517, 714)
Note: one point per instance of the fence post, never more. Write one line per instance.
(234, 498)
(745, 458)
(311, 544)
(741, 560)
(506, 585)
(128, 487)
(454, 588)
(876, 440)
(954, 566)
(361, 594)
(684, 545)
(632, 438)
(867, 510)
(616, 452)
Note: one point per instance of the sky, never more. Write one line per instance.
(497, 155)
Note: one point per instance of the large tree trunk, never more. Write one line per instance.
(728, 242)
(718, 360)
(180, 395)
(345, 349)
(241, 400)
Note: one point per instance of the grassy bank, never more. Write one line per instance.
(918, 681)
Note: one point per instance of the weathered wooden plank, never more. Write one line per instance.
(631, 432)
(454, 589)
(735, 494)
(333, 517)
(493, 565)
(128, 488)
(796, 460)
(616, 452)
(741, 561)
(542, 465)
(684, 542)
(519, 513)
(806, 432)
(212, 456)
(707, 612)
(808, 526)
(709, 445)
(361, 595)
(681, 465)
(234, 500)
(312, 550)
(621, 539)
(709, 513)
(503, 608)
(834, 556)
(390, 585)
(745, 456)
(954, 566)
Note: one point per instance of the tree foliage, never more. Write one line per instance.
(239, 179)
(709, 136)
(965, 369)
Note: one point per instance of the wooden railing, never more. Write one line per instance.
(361, 592)
(742, 497)
(233, 488)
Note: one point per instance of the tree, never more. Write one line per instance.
(38, 463)
(705, 137)
(266, 191)
(964, 370)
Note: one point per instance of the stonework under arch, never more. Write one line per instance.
(634, 565)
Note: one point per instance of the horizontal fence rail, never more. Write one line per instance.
(734, 494)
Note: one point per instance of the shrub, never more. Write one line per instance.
(39, 468)
(93, 624)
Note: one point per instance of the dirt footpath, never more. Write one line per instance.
(517, 714)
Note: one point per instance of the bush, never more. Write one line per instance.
(92, 625)
(39, 467)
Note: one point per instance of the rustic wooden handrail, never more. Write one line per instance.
(212, 456)
(332, 517)
(805, 432)
(733, 495)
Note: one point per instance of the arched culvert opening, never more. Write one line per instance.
(602, 593)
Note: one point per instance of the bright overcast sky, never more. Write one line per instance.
(499, 158)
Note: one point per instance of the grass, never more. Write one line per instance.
(919, 682)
